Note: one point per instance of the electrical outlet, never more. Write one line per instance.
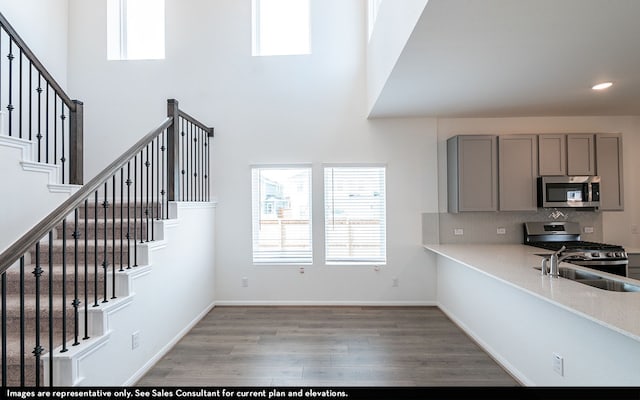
(245, 282)
(458, 231)
(558, 364)
(135, 340)
(301, 270)
(588, 229)
(634, 229)
(394, 282)
(501, 231)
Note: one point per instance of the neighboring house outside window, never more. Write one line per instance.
(281, 217)
(135, 30)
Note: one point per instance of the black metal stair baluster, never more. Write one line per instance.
(62, 149)
(55, 132)
(4, 327)
(64, 286)
(146, 208)
(86, 269)
(152, 167)
(51, 330)
(22, 324)
(156, 168)
(37, 349)
(193, 162)
(121, 218)
(135, 211)
(113, 237)
(76, 300)
(105, 263)
(20, 94)
(163, 192)
(39, 135)
(183, 172)
(208, 167)
(142, 227)
(31, 104)
(128, 214)
(95, 250)
(10, 100)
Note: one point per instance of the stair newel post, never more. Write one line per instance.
(76, 143)
(173, 151)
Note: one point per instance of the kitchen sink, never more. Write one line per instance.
(598, 281)
(594, 279)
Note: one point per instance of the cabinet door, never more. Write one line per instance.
(552, 155)
(518, 170)
(609, 168)
(472, 173)
(580, 154)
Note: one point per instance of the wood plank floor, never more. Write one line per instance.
(326, 346)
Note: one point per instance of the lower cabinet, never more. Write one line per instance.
(634, 265)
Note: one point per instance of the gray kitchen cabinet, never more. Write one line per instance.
(581, 154)
(517, 172)
(566, 154)
(472, 173)
(634, 265)
(552, 155)
(609, 168)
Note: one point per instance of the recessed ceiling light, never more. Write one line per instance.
(602, 86)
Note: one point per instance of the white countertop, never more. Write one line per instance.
(514, 264)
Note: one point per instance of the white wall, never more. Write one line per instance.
(393, 27)
(267, 110)
(616, 224)
(42, 24)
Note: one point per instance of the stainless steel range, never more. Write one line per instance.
(552, 236)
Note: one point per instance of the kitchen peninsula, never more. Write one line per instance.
(545, 331)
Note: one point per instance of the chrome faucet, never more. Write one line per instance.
(553, 260)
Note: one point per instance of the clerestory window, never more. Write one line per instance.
(135, 30)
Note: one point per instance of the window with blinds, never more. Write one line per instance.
(355, 214)
(281, 203)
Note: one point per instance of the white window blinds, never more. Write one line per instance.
(281, 202)
(355, 215)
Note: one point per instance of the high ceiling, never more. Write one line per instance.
(500, 58)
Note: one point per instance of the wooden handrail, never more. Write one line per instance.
(34, 60)
(22, 245)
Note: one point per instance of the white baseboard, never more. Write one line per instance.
(292, 303)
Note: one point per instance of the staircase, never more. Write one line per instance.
(67, 282)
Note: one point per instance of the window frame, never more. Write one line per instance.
(256, 40)
(258, 207)
(354, 262)
(119, 27)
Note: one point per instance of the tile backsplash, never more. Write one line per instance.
(501, 227)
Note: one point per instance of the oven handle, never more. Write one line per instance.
(586, 263)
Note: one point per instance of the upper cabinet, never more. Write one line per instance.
(518, 170)
(552, 155)
(581, 155)
(472, 173)
(609, 168)
(566, 154)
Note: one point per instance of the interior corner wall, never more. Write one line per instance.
(279, 109)
(393, 27)
(43, 25)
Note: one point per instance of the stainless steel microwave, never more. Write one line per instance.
(569, 191)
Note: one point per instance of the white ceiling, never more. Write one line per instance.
(499, 58)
